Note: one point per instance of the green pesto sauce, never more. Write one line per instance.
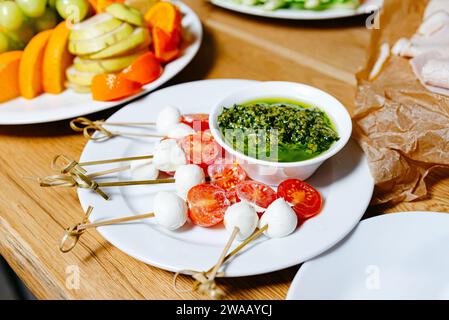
(277, 130)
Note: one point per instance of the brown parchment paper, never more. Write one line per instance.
(402, 127)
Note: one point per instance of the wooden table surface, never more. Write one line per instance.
(325, 54)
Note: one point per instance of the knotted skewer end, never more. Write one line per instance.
(72, 234)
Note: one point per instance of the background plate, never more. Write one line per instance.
(344, 181)
(393, 256)
(69, 104)
(368, 7)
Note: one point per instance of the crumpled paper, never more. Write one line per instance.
(401, 126)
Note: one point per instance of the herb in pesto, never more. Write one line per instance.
(281, 132)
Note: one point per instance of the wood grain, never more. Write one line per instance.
(322, 54)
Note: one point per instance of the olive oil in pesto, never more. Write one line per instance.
(277, 130)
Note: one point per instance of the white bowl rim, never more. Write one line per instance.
(344, 134)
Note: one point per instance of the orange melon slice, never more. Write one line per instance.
(56, 59)
(9, 73)
(165, 16)
(30, 70)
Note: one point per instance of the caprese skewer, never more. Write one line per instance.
(169, 123)
(170, 212)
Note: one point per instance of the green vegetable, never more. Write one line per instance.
(302, 4)
(277, 131)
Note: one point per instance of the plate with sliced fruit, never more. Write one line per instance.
(57, 69)
(200, 194)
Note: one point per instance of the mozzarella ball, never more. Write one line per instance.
(170, 211)
(243, 216)
(168, 155)
(167, 117)
(280, 218)
(144, 170)
(186, 177)
(179, 130)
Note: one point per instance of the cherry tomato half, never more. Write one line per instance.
(200, 148)
(305, 199)
(226, 176)
(207, 204)
(256, 193)
(198, 121)
(232, 196)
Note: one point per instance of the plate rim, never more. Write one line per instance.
(280, 266)
(102, 105)
(394, 215)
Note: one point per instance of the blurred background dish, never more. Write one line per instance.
(283, 9)
(393, 256)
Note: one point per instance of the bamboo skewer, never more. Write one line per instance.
(92, 184)
(109, 171)
(106, 134)
(209, 285)
(89, 128)
(68, 164)
(67, 180)
(70, 181)
(205, 281)
(114, 221)
(254, 236)
(221, 260)
(73, 174)
(80, 123)
(107, 161)
(135, 183)
(71, 235)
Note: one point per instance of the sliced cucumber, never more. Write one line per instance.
(82, 47)
(125, 13)
(142, 5)
(106, 65)
(77, 88)
(80, 78)
(139, 36)
(94, 27)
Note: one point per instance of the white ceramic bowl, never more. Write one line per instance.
(273, 173)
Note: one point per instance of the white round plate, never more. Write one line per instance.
(394, 256)
(369, 6)
(345, 183)
(69, 104)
